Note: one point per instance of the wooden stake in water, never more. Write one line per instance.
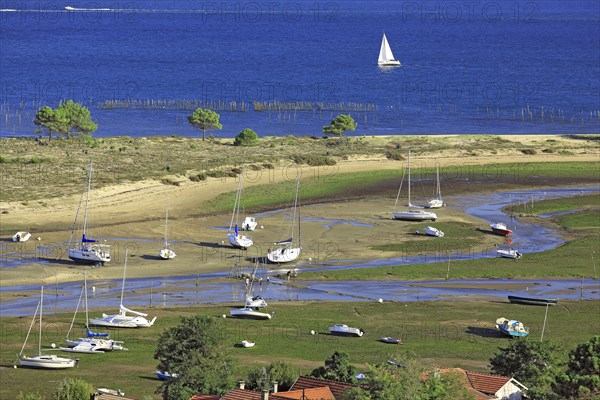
(448, 271)
(545, 318)
(151, 285)
(594, 264)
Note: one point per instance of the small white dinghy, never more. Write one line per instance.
(390, 340)
(345, 330)
(21, 236)
(431, 231)
(248, 343)
(83, 347)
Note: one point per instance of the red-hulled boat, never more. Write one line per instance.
(500, 229)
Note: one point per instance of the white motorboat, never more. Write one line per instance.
(255, 302)
(235, 238)
(345, 330)
(390, 340)
(166, 253)
(509, 253)
(500, 228)
(511, 327)
(48, 361)
(412, 213)
(88, 250)
(122, 320)
(249, 224)
(21, 237)
(289, 249)
(431, 231)
(248, 343)
(248, 313)
(386, 57)
(437, 201)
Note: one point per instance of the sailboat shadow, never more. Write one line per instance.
(484, 332)
(215, 245)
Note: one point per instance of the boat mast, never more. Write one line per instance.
(236, 206)
(87, 321)
(295, 211)
(438, 193)
(409, 205)
(87, 196)
(166, 225)
(41, 312)
(124, 273)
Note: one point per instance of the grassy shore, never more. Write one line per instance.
(453, 333)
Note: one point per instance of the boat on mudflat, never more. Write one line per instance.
(512, 328)
(538, 301)
(500, 228)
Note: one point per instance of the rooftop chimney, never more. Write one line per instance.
(241, 385)
(264, 395)
(275, 386)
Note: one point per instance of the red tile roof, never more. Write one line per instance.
(204, 397)
(486, 383)
(308, 382)
(243, 394)
(321, 393)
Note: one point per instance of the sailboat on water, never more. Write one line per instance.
(122, 320)
(289, 250)
(235, 238)
(166, 253)
(88, 250)
(412, 213)
(49, 361)
(386, 57)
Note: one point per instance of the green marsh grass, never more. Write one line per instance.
(453, 333)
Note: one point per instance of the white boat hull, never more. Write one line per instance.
(514, 254)
(431, 231)
(435, 203)
(389, 63)
(122, 321)
(255, 302)
(98, 344)
(167, 254)
(83, 347)
(90, 254)
(415, 215)
(240, 241)
(47, 362)
(284, 254)
(249, 224)
(21, 237)
(248, 313)
(248, 343)
(344, 330)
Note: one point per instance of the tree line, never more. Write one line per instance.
(71, 119)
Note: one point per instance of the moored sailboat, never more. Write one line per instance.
(166, 253)
(45, 361)
(88, 250)
(289, 249)
(235, 238)
(412, 213)
(122, 320)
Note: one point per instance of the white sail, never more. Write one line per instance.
(386, 57)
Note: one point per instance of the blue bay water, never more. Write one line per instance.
(467, 67)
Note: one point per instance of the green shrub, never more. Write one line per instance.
(314, 160)
(247, 137)
(198, 177)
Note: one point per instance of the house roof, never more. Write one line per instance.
(485, 383)
(308, 382)
(244, 394)
(204, 397)
(320, 393)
